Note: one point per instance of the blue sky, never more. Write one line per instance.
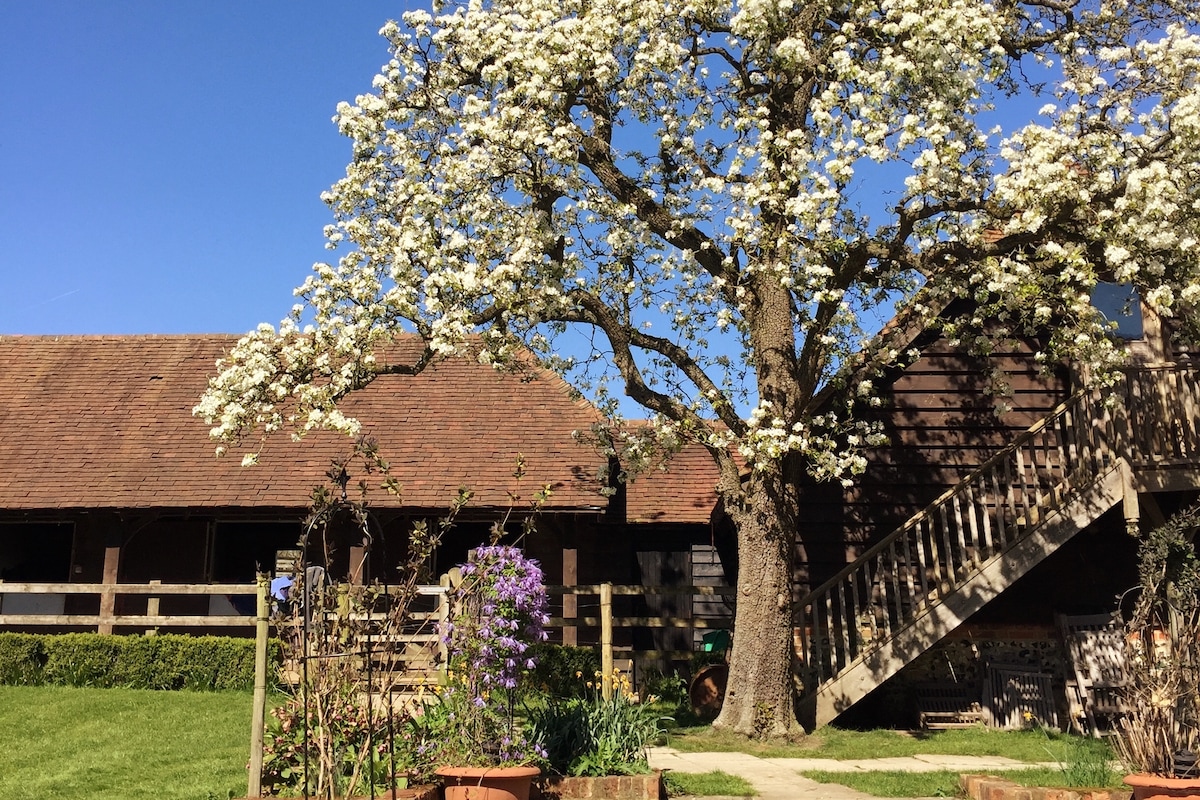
(161, 162)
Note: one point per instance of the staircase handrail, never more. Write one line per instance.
(998, 457)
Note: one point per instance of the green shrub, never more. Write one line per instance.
(135, 662)
(22, 658)
(81, 659)
(559, 668)
(593, 736)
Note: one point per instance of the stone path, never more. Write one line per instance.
(779, 778)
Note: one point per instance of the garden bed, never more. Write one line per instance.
(990, 787)
(413, 793)
(608, 787)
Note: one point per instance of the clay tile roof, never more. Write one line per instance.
(105, 422)
(685, 491)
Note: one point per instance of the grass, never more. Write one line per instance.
(122, 744)
(707, 784)
(941, 783)
(125, 744)
(893, 784)
(1027, 745)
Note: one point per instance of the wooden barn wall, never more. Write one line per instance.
(939, 417)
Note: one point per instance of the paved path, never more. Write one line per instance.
(779, 778)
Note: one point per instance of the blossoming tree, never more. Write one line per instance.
(711, 201)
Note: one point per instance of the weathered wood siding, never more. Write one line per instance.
(939, 415)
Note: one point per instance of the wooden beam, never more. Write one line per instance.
(108, 599)
(570, 576)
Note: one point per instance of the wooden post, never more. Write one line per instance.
(152, 608)
(257, 722)
(443, 616)
(606, 640)
(1130, 506)
(570, 578)
(108, 598)
(358, 560)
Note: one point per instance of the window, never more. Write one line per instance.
(1120, 303)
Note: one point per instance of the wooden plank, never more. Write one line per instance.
(570, 576)
(856, 611)
(127, 620)
(651, 622)
(594, 588)
(108, 600)
(950, 558)
(926, 558)
(983, 509)
(893, 568)
(127, 588)
(846, 620)
(909, 566)
(998, 511)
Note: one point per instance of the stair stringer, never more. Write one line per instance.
(941, 616)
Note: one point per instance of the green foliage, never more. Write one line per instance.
(135, 662)
(1162, 656)
(671, 689)
(1084, 768)
(358, 740)
(559, 668)
(848, 745)
(593, 736)
(707, 784)
(941, 783)
(22, 659)
(1080, 763)
(437, 735)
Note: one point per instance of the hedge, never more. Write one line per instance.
(167, 661)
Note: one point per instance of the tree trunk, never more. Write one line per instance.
(759, 696)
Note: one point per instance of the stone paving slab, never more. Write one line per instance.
(780, 779)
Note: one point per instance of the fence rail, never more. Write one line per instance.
(590, 618)
(106, 619)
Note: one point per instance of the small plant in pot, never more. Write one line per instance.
(470, 735)
(1160, 733)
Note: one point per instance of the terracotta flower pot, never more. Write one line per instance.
(1156, 787)
(487, 783)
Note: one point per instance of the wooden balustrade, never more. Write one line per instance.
(1152, 423)
(932, 553)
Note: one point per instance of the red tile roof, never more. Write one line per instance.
(685, 491)
(105, 422)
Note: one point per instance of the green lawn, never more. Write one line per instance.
(125, 744)
(942, 783)
(707, 784)
(122, 744)
(1027, 745)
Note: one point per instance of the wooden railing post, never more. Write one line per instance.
(108, 598)
(152, 607)
(443, 617)
(606, 640)
(570, 577)
(257, 722)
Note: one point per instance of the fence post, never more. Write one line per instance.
(254, 783)
(152, 607)
(606, 640)
(570, 577)
(443, 614)
(108, 598)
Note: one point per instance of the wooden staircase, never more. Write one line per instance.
(925, 578)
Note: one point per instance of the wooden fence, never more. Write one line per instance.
(105, 620)
(581, 614)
